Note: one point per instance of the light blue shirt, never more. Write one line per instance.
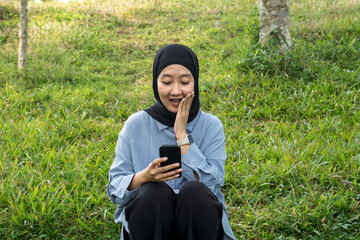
(138, 145)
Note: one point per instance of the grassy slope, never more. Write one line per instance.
(292, 130)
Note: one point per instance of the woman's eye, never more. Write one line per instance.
(185, 83)
(166, 83)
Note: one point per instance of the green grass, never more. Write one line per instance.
(292, 122)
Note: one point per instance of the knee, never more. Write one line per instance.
(194, 185)
(149, 199)
(196, 192)
(196, 199)
(153, 193)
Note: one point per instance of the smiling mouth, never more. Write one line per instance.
(175, 102)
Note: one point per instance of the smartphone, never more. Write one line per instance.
(173, 153)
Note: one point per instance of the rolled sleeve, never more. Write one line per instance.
(208, 162)
(121, 172)
(118, 193)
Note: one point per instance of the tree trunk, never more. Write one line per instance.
(275, 23)
(23, 34)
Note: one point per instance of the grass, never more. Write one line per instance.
(292, 122)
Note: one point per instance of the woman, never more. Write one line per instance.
(155, 202)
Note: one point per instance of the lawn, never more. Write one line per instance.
(291, 122)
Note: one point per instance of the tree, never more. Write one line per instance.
(23, 34)
(275, 23)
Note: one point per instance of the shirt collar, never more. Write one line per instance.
(189, 126)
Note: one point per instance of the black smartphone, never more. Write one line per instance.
(173, 153)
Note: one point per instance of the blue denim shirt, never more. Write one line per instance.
(138, 145)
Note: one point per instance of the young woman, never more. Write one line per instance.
(155, 202)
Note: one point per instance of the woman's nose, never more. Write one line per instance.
(176, 90)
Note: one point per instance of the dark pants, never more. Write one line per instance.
(158, 213)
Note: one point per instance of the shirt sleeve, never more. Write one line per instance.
(121, 171)
(207, 158)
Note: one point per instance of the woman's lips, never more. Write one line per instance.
(175, 102)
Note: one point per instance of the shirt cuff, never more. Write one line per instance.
(191, 162)
(123, 196)
(195, 160)
(193, 157)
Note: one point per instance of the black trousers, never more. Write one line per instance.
(157, 213)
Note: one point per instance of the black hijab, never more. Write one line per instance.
(174, 54)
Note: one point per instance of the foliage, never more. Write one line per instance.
(291, 121)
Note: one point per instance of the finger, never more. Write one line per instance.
(187, 103)
(183, 106)
(169, 167)
(191, 98)
(170, 178)
(159, 160)
(171, 174)
(156, 164)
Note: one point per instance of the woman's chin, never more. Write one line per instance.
(172, 109)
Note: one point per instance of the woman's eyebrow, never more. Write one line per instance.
(185, 75)
(164, 75)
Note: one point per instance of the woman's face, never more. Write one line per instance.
(174, 83)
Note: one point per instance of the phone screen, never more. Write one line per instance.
(173, 153)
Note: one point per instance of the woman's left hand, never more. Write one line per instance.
(182, 116)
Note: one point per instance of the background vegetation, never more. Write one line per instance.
(292, 123)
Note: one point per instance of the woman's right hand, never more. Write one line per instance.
(155, 173)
